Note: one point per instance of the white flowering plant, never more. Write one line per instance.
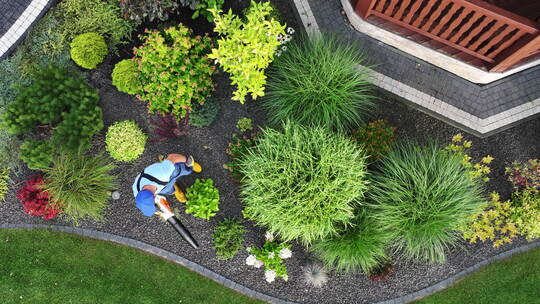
(271, 256)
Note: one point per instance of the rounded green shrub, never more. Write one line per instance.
(421, 196)
(362, 247)
(316, 82)
(88, 50)
(125, 141)
(228, 238)
(125, 76)
(202, 199)
(36, 154)
(205, 114)
(302, 183)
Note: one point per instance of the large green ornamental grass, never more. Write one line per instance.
(302, 183)
(420, 196)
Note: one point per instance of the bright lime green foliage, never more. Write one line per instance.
(88, 50)
(360, 248)
(302, 183)
(175, 70)
(37, 154)
(52, 267)
(511, 281)
(244, 124)
(4, 182)
(203, 199)
(125, 141)
(125, 76)
(246, 48)
(228, 238)
(421, 195)
(204, 5)
(80, 185)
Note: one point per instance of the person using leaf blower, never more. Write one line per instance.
(160, 179)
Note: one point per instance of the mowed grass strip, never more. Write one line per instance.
(51, 267)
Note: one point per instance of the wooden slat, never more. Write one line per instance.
(453, 26)
(435, 15)
(475, 32)
(484, 36)
(424, 13)
(466, 27)
(414, 8)
(504, 15)
(455, 7)
(380, 5)
(519, 51)
(507, 43)
(404, 4)
(495, 40)
(364, 7)
(391, 7)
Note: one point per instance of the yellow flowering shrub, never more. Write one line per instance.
(476, 169)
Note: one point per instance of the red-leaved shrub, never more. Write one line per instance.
(35, 201)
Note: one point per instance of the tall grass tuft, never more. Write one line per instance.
(302, 183)
(421, 195)
(316, 82)
(79, 185)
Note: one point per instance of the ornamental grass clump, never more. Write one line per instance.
(228, 238)
(302, 183)
(125, 141)
(317, 82)
(420, 197)
(79, 185)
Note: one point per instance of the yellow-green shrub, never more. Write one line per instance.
(476, 169)
(125, 76)
(88, 50)
(125, 141)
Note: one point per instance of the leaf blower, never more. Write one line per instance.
(167, 214)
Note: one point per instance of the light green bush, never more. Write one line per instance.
(125, 77)
(88, 50)
(125, 141)
(203, 199)
(228, 238)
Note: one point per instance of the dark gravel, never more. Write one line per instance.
(208, 147)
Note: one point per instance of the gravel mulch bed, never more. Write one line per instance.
(208, 146)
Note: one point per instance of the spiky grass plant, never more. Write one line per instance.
(79, 185)
(420, 196)
(316, 82)
(315, 275)
(302, 183)
(360, 248)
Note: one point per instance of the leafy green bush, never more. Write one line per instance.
(228, 238)
(246, 48)
(205, 114)
(174, 70)
(244, 124)
(360, 248)
(102, 17)
(125, 76)
(88, 50)
(203, 199)
(238, 146)
(61, 101)
(204, 5)
(302, 183)
(125, 141)
(4, 182)
(139, 10)
(420, 197)
(37, 154)
(376, 137)
(316, 82)
(79, 185)
(271, 256)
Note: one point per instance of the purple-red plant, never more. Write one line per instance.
(36, 201)
(377, 137)
(524, 176)
(167, 127)
(382, 273)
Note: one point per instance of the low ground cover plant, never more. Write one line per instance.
(271, 255)
(244, 124)
(175, 71)
(140, 10)
(125, 76)
(35, 201)
(205, 114)
(79, 185)
(361, 247)
(316, 82)
(228, 238)
(88, 50)
(245, 48)
(9, 152)
(302, 183)
(203, 199)
(238, 146)
(58, 100)
(524, 175)
(125, 141)
(377, 137)
(4, 182)
(167, 127)
(420, 196)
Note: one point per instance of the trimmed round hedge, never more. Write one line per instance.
(88, 50)
(125, 141)
(302, 183)
(125, 76)
(420, 196)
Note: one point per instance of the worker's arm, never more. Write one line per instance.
(176, 158)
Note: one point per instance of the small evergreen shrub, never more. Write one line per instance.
(37, 154)
(205, 114)
(316, 82)
(88, 50)
(125, 141)
(421, 197)
(203, 199)
(35, 201)
(9, 152)
(360, 248)
(376, 137)
(174, 70)
(228, 238)
(125, 76)
(244, 124)
(246, 48)
(79, 185)
(4, 182)
(302, 183)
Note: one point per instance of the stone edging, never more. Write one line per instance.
(481, 127)
(169, 256)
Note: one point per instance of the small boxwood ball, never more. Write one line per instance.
(88, 50)
(125, 76)
(125, 141)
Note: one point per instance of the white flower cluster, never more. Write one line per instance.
(285, 253)
(269, 236)
(251, 260)
(282, 39)
(270, 275)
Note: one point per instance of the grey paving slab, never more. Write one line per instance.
(10, 11)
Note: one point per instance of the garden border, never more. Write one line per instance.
(169, 256)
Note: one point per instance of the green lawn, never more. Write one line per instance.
(51, 267)
(512, 281)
